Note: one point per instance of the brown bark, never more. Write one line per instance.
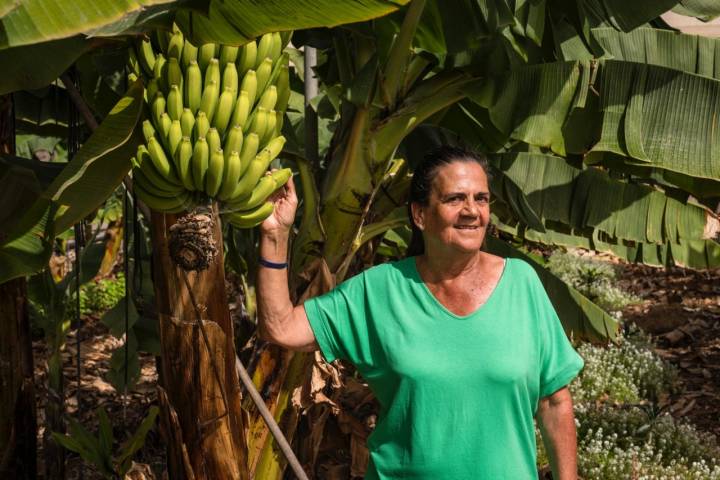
(204, 433)
(18, 422)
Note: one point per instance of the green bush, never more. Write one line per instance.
(96, 297)
(619, 434)
(592, 278)
(628, 442)
(626, 372)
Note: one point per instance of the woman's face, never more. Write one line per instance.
(458, 210)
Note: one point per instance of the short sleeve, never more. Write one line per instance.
(559, 362)
(338, 320)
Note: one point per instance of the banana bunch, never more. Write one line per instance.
(215, 113)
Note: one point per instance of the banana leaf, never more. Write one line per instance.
(705, 10)
(546, 190)
(101, 164)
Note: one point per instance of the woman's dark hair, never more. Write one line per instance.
(422, 182)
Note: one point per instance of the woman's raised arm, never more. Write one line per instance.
(278, 320)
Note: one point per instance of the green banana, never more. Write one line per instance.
(242, 110)
(228, 54)
(173, 204)
(250, 147)
(209, 100)
(231, 175)
(146, 165)
(200, 160)
(269, 127)
(132, 78)
(152, 88)
(224, 110)
(213, 140)
(174, 73)
(230, 78)
(214, 176)
(277, 47)
(262, 190)
(187, 121)
(205, 54)
(251, 218)
(233, 141)
(159, 160)
(202, 125)
(189, 53)
(212, 73)
(246, 59)
(158, 72)
(145, 56)
(279, 119)
(281, 177)
(193, 86)
(265, 45)
(157, 108)
(259, 123)
(175, 45)
(268, 98)
(148, 129)
(164, 128)
(249, 85)
(174, 103)
(174, 136)
(283, 89)
(275, 146)
(182, 158)
(252, 174)
(132, 62)
(164, 190)
(263, 74)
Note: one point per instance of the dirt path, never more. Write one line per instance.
(681, 309)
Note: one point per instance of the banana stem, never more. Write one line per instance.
(270, 421)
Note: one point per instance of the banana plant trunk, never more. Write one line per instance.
(200, 393)
(18, 423)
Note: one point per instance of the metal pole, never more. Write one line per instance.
(311, 91)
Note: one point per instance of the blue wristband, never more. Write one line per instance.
(269, 264)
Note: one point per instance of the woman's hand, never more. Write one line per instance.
(285, 202)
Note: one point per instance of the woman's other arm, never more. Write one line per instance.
(557, 426)
(278, 320)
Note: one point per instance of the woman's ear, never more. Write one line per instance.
(418, 215)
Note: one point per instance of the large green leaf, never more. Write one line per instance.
(623, 15)
(36, 65)
(239, 21)
(664, 48)
(38, 21)
(703, 9)
(587, 202)
(29, 252)
(101, 164)
(578, 314)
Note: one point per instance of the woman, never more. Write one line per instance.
(462, 348)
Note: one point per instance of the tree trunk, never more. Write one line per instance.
(200, 395)
(18, 422)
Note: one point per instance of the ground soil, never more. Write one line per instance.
(679, 308)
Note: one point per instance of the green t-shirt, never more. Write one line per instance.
(458, 393)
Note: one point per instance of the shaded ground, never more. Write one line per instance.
(680, 308)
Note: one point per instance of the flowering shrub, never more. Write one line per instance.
(592, 278)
